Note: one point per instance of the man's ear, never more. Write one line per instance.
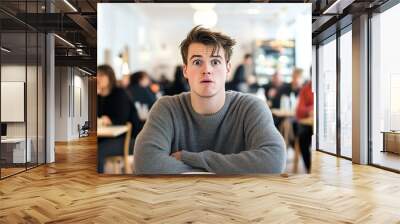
(185, 71)
(228, 69)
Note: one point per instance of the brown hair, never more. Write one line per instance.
(297, 71)
(109, 72)
(136, 77)
(207, 37)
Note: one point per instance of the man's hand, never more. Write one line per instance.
(177, 155)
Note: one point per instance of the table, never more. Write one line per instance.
(115, 131)
(111, 131)
(282, 113)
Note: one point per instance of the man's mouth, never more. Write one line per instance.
(206, 81)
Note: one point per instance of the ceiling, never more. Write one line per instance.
(236, 14)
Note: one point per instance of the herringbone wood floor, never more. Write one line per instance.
(70, 191)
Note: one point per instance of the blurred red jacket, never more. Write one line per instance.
(305, 106)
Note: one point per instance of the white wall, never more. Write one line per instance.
(70, 84)
(15, 73)
(303, 42)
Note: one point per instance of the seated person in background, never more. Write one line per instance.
(305, 109)
(112, 102)
(165, 85)
(294, 86)
(180, 83)
(208, 129)
(285, 98)
(113, 108)
(141, 95)
(271, 89)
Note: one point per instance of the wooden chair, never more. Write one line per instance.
(287, 132)
(114, 164)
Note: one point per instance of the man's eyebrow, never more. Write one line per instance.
(195, 56)
(216, 56)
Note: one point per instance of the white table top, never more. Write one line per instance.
(111, 131)
(282, 113)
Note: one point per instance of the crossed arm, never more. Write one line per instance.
(266, 155)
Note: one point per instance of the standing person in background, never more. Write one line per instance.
(113, 108)
(305, 110)
(241, 73)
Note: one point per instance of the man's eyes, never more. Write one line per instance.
(213, 62)
(196, 62)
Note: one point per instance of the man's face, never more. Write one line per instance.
(206, 73)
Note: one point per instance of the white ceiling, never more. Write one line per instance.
(231, 12)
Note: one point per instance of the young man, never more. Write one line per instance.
(209, 129)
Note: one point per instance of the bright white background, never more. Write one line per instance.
(152, 32)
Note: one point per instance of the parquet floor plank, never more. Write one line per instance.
(70, 191)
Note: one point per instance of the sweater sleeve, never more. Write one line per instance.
(266, 151)
(153, 144)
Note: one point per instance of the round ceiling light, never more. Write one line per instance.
(206, 18)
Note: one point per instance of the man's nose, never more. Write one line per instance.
(207, 68)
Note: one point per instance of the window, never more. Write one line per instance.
(346, 94)
(385, 89)
(327, 96)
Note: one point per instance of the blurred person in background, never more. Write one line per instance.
(239, 80)
(179, 84)
(292, 88)
(113, 108)
(141, 95)
(305, 117)
(124, 82)
(165, 84)
(252, 84)
(155, 88)
(272, 88)
(285, 100)
(112, 102)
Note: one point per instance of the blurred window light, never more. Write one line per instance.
(202, 6)
(253, 11)
(206, 18)
(283, 33)
(125, 69)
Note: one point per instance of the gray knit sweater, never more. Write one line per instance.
(240, 138)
